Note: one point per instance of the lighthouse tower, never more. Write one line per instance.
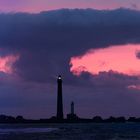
(59, 99)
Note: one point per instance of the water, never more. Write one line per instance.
(127, 131)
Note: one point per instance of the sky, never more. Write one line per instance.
(93, 44)
(35, 6)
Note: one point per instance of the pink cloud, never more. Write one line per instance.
(6, 63)
(122, 59)
(134, 87)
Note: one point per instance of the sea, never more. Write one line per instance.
(78, 131)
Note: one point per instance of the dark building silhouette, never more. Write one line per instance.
(59, 99)
(97, 119)
(72, 115)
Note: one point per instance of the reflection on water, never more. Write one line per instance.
(26, 130)
(91, 131)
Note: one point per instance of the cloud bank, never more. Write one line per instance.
(48, 41)
(44, 39)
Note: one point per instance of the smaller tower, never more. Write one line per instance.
(72, 107)
(72, 115)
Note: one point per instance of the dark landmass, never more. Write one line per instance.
(96, 119)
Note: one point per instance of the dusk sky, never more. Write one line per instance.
(45, 5)
(95, 47)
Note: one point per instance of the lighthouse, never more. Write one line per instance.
(59, 99)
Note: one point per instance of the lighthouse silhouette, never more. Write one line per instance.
(59, 99)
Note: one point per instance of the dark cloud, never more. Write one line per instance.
(46, 42)
(138, 54)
